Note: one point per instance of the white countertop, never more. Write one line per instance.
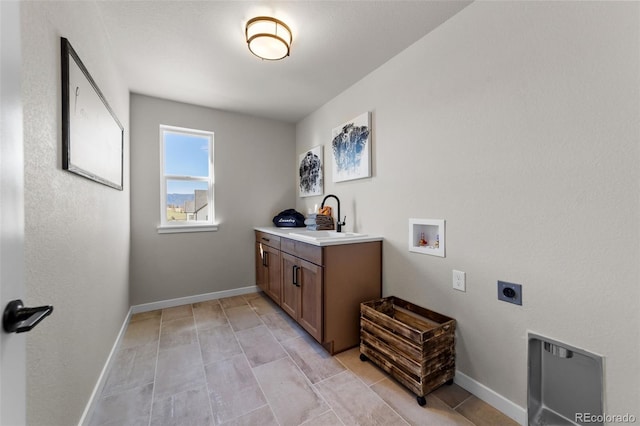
(287, 233)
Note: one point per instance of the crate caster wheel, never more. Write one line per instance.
(363, 358)
(449, 382)
(422, 401)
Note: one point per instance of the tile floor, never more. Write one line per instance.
(242, 361)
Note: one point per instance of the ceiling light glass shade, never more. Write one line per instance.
(268, 38)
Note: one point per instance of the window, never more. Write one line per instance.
(186, 180)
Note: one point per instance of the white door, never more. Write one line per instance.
(12, 346)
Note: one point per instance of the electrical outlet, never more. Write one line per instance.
(459, 280)
(510, 292)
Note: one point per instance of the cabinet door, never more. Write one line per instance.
(260, 267)
(310, 302)
(289, 293)
(272, 273)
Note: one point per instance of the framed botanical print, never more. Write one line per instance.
(310, 172)
(351, 149)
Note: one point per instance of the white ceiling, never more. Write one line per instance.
(195, 52)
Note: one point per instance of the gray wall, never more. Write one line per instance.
(76, 230)
(253, 182)
(517, 123)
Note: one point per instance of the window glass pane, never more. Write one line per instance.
(186, 155)
(187, 201)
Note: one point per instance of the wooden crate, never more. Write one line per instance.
(416, 346)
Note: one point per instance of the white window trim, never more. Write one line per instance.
(171, 228)
(178, 229)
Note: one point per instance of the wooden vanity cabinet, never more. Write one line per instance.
(321, 287)
(268, 264)
(302, 293)
(352, 275)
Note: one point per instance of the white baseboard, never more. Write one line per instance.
(145, 307)
(97, 389)
(492, 398)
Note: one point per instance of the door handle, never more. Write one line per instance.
(18, 319)
(295, 276)
(265, 260)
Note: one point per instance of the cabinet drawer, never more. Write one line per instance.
(268, 239)
(305, 251)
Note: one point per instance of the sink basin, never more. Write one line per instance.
(326, 235)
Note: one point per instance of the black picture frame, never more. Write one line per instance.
(92, 136)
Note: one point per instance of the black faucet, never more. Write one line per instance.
(338, 223)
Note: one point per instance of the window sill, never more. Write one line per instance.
(177, 229)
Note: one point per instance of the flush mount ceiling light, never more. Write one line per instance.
(268, 38)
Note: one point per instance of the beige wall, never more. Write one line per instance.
(76, 230)
(253, 183)
(517, 123)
